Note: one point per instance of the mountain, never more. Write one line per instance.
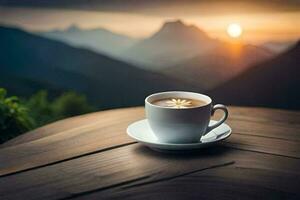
(30, 62)
(277, 46)
(273, 83)
(98, 39)
(218, 65)
(174, 42)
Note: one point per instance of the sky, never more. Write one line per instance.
(261, 20)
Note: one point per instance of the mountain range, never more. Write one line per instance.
(278, 46)
(188, 53)
(273, 83)
(218, 65)
(99, 40)
(178, 50)
(172, 43)
(175, 43)
(236, 74)
(30, 62)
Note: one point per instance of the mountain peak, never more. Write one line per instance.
(174, 23)
(180, 29)
(73, 28)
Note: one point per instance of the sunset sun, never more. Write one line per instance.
(234, 30)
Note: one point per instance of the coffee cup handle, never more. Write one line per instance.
(221, 121)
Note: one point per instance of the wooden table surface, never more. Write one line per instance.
(91, 157)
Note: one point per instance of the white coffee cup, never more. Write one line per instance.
(186, 125)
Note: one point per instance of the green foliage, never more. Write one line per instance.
(17, 117)
(14, 117)
(40, 108)
(71, 104)
(67, 105)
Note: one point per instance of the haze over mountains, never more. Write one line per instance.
(182, 51)
(218, 65)
(273, 83)
(177, 57)
(172, 43)
(29, 63)
(99, 39)
(277, 46)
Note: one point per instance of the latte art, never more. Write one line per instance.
(179, 103)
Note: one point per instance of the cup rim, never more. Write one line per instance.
(186, 92)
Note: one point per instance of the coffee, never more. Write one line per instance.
(174, 102)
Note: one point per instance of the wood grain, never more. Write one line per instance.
(238, 114)
(72, 123)
(107, 129)
(228, 182)
(131, 165)
(91, 157)
(104, 132)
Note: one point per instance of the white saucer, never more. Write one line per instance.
(141, 132)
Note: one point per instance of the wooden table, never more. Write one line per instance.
(91, 157)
